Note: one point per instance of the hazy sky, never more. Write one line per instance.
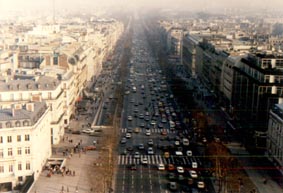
(190, 4)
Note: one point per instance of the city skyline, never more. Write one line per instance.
(189, 4)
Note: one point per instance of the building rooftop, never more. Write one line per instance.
(24, 84)
(28, 112)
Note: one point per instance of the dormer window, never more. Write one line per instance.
(8, 125)
(26, 123)
(18, 123)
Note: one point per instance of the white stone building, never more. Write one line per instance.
(24, 143)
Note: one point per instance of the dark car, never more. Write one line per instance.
(76, 132)
(133, 167)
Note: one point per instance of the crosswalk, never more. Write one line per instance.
(124, 130)
(156, 159)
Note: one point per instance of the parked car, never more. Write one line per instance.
(76, 132)
(90, 147)
(88, 131)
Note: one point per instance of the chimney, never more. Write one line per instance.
(13, 112)
(30, 107)
(17, 106)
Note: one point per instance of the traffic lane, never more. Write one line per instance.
(121, 179)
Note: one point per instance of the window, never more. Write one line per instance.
(18, 124)
(1, 153)
(20, 178)
(1, 169)
(8, 125)
(19, 151)
(26, 137)
(19, 166)
(9, 139)
(26, 123)
(19, 138)
(55, 60)
(1, 139)
(28, 166)
(10, 152)
(27, 150)
(11, 168)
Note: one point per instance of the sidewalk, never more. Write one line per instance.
(81, 163)
(256, 174)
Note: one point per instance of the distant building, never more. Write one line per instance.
(190, 45)
(24, 143)
(275, 136)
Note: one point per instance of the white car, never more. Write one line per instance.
(144, 160)
(193, 174)
(147, 133)
(161, 167)
(87, 131)
(186, 142)
(179, 153)
(150, 151)
(177, 143)
(180, 170)
(128, 135)
(137, 155)
(189, 153)
(130, 118)
(200, 184)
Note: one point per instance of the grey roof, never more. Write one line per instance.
(43, 83)
(23, 114)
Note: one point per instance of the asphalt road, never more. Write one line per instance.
(139, 110)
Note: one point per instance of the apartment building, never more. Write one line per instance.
(189, 54)
(258, 86)
(26, 88)
(24, 143)
(275, 136)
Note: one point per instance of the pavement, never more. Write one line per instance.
(257, 169)
(255, 172)
(82, 163)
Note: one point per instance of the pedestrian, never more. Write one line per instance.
(74, 173)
